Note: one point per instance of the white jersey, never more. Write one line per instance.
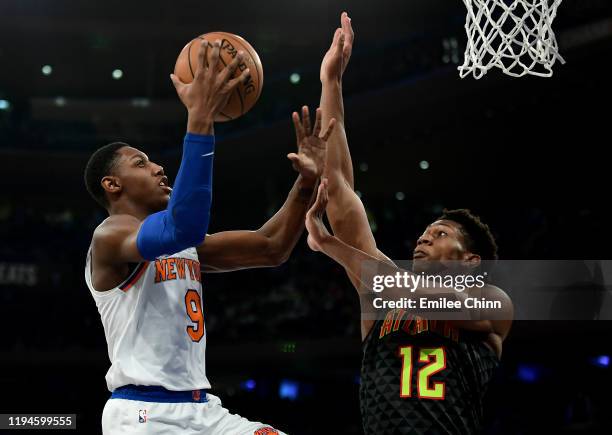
(154, 324)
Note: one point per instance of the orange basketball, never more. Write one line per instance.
(246, 94)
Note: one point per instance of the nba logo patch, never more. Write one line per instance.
(142, 416)
(265, 431)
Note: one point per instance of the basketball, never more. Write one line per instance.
(246, 94)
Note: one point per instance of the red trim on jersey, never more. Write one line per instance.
(135, 276)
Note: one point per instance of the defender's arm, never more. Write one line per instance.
(273, 242)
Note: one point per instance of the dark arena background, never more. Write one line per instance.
(529, 155)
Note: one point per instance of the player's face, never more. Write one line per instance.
(142, 180)
(442, 242)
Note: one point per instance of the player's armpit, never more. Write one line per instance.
(114, 241)
(496, 321)
(234, 250)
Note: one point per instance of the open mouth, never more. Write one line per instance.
(163, 183)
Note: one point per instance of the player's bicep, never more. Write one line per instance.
(234, 250)
(114, 242)
(348, 218)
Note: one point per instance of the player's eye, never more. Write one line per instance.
(442, 233)
(140, 163)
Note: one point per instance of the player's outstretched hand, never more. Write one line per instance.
(317, 231)
(309, 161)
(211, 87)
(337, 57)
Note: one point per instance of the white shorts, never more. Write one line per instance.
(131, 417)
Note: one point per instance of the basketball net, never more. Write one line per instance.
(513, 35)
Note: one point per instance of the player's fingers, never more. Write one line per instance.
(214, 57)
(330, 129)
(299, 130)
(242, 78)
(321, 201)
(325, 191)
(229, 70)
(295, 160)
(335, 38)
(347, 27)
(317, 127)
(324, 196)
(306, 120)
(178, 84)
(347, 49)
(311, 243)
(202, 53)
(349, 35)
(346, 52)
(315, 210)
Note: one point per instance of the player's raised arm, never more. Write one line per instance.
(271, 244)
(136, 229)
(332, 70)
(345, 211)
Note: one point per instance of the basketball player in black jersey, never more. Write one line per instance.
(419, 376)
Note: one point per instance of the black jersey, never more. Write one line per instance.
(423, 377)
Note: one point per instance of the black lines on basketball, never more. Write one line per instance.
(222, 61)
(189, 59)
(240, 99)
(247, 92)
(254, 56)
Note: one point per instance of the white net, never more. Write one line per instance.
(513, 35)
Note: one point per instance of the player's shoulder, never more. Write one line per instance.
(496, 293)
(116, 222)
(503, 315)
(114, 230)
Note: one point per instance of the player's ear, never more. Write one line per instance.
(470, 260)
(111, 184)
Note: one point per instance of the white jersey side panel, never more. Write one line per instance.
(154, 324)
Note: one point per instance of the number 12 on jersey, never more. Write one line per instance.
(436, 357)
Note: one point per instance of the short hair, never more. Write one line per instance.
(101, 163)
(478, 237)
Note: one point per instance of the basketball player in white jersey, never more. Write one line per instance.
(145, 260)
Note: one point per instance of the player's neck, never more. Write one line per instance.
(130, 209)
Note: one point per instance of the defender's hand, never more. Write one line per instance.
(309, 161)
(210, 89)
(337, 57)
(317, 231)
